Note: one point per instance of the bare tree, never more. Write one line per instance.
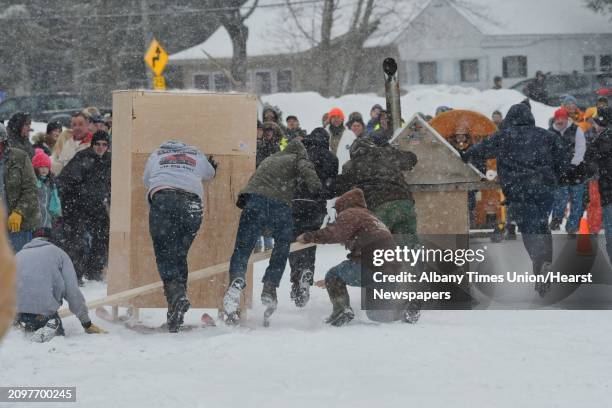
(601, 6)
(358, 34)
(338, 56)
(234, 22)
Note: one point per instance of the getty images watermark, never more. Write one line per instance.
(455, 272)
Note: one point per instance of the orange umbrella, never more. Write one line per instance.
(477, 125)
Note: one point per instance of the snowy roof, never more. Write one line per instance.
(273, 29)
(543, 17)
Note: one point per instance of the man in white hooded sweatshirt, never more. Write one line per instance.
(173, 177)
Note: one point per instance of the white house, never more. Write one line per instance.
(456, 42)
(472, 41)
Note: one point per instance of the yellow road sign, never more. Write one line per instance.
(159, 82)
(156, 57)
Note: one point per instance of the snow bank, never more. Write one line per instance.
(309, 107)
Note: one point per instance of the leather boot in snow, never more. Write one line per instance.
(178, 304)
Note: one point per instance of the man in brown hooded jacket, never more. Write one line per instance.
(355, 227)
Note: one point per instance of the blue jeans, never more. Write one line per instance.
(19, 239)
(575, 195)
(259, 213)
(349, 271)
(530, 211)
(607, 223)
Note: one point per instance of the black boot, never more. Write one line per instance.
(178, 304)
(555, 224)
(341, 302)
(300, 290)
(268, 295)
(511, 232)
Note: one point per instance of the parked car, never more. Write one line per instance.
(43, 107)
(583, 87)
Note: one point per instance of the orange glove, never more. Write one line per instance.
(14, 222)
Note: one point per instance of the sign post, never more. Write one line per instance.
(157, 58)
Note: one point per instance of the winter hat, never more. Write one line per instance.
(99, 135)
(318, 137)
(291, 117)
(354, 120)
(336, 112)
(568, 100)
(603, 116)
(17, 121)
(41, 159)
(561, 113)
(42, 233)
(51, 126)
(3, 134)
(273, 109)
(442, 109)
(376, 106)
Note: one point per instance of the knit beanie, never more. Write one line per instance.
(336, 112)
(41, 159)
(568, 100)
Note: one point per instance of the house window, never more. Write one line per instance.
(263, 83)
(514, 66)
(222, 84)
(469, 70)
(428, 73)
(284, 80)
(605, 62)
(589, 63)
(201, 81)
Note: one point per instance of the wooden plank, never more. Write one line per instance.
(7, 278)
(208, 272)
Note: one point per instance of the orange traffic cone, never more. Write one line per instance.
(583, 244)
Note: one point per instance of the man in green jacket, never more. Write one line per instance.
(266, 204)
(18, 192)
(378, 171)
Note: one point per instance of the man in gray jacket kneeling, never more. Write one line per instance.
(46, 276)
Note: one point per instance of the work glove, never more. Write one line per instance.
(91, 328)
(213, 163)
(14, 222)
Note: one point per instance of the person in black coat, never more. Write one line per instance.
(269, 143)
(598, 159)
(529, 162)
(85, 188)
(536, 89)
(309, 212)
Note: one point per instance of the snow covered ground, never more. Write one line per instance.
(470, 359)
(450, 358)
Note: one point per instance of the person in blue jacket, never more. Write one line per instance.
(529, 164)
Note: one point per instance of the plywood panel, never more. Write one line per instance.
(441, 212)
(194, 119)
(205, 125)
